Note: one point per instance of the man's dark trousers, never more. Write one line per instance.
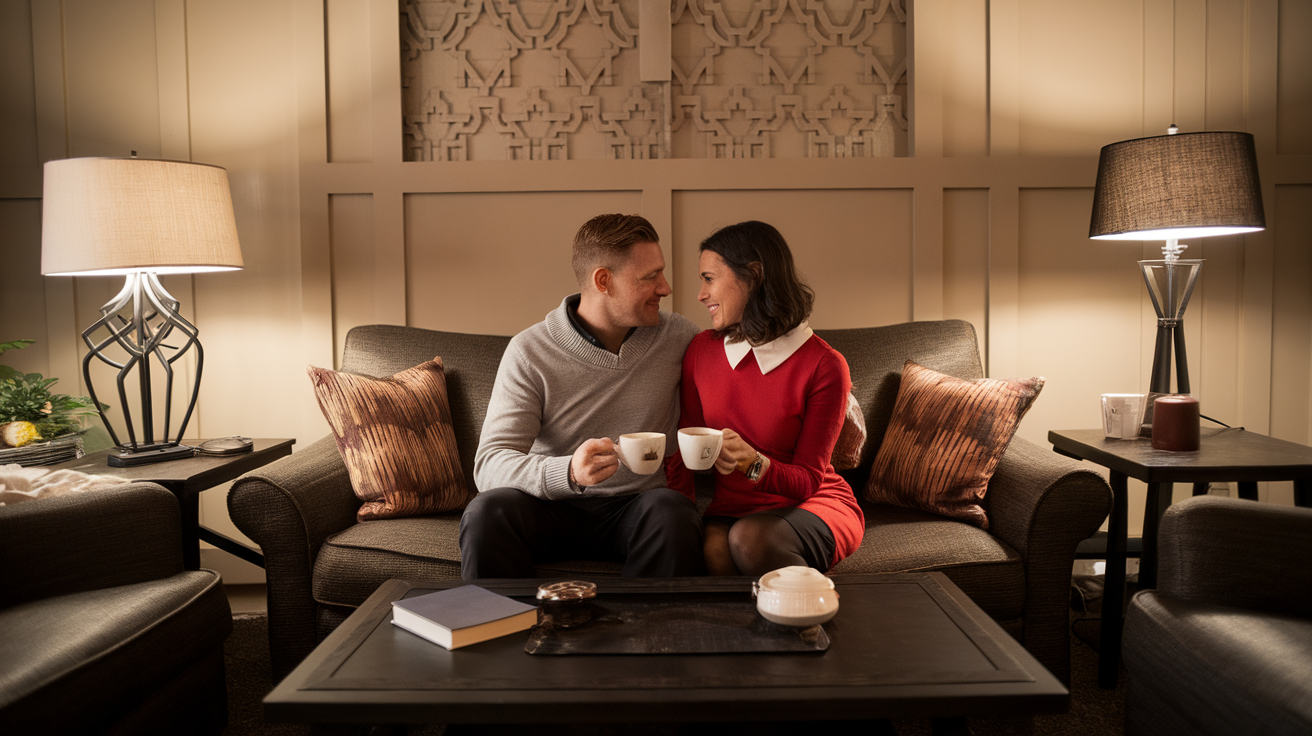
(656, 533)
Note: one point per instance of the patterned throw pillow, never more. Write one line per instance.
(944, 441)
(851, 439)
(396, 437)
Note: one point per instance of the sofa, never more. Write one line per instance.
(103, 630)
(1223, 645)
(321, 564)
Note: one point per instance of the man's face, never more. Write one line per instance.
(637, 287)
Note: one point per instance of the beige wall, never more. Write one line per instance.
(987, 221)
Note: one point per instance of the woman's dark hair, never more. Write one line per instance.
(777, 298)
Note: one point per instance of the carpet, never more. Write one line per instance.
(1094, 711)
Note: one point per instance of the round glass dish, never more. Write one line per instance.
(568, 603)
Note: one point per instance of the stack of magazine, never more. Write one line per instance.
(48, 452)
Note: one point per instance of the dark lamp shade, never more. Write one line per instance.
(1168, 187)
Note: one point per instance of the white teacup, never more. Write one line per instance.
(796, 596)
(700, 446)
(641, 452)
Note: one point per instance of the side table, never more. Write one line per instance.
(1225, 455)
(186, 478)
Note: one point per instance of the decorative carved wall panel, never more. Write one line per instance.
(558, 79)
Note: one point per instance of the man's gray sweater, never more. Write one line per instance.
(555, 390)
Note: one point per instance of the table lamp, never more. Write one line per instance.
(1185, 185)
(141, 218)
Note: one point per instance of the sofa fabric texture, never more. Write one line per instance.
(1224, 644)
(321, 562)
(104, 630)
(396, 438)
(944, 441)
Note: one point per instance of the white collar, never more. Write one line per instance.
(772, 354)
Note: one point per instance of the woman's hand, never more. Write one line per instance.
(735, 454)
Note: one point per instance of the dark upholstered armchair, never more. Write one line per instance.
(1224, 644)
(101, 630)
(321, 563)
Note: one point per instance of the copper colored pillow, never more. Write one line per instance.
(396, 437)
(851, 439)
(945, 439)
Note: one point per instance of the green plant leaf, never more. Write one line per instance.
(14, 345)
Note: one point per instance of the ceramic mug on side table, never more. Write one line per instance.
(1122, 415)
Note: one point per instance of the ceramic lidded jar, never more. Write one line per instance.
(795, 596)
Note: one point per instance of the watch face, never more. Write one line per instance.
(754, 472)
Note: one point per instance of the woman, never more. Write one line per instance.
(779, 393)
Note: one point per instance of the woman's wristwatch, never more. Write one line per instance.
(753, 468)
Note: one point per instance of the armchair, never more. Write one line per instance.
(1224, 644)
(103, 629)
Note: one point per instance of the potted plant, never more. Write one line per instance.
(29, 412)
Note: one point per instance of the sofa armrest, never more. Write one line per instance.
(76, 542)
(1239, 553)
(289, 508)
(1043, 505)
(1032, 483)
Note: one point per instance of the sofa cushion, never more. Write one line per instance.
(396, 438)
(83, 658)
(1209, 669)
(851, 438)
(945, 439)
(353, 563)
(468, 361)
(905, 540)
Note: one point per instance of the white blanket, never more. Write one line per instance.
(24, 484)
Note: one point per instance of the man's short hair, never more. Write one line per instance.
(605, 242)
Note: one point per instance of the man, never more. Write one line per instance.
(605, 362)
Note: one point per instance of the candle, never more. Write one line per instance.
(1176, 423)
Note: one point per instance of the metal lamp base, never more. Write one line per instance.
(154, 318)
(123, 458)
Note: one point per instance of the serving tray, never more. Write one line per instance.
(674, 623)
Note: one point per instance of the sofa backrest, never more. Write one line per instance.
(469, 361)
(875, 356)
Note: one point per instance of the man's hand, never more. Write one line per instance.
(594, 462)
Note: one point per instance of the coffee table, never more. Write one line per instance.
(901, 646)
(186, 478)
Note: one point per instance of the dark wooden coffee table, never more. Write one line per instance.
(902, 646)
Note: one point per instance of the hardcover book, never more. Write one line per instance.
(462, 616)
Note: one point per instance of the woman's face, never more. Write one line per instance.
(723, 293)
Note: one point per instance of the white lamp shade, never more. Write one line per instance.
(103, 216)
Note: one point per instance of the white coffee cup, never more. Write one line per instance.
(641, 452)
(700, 446)
(1121, 415)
